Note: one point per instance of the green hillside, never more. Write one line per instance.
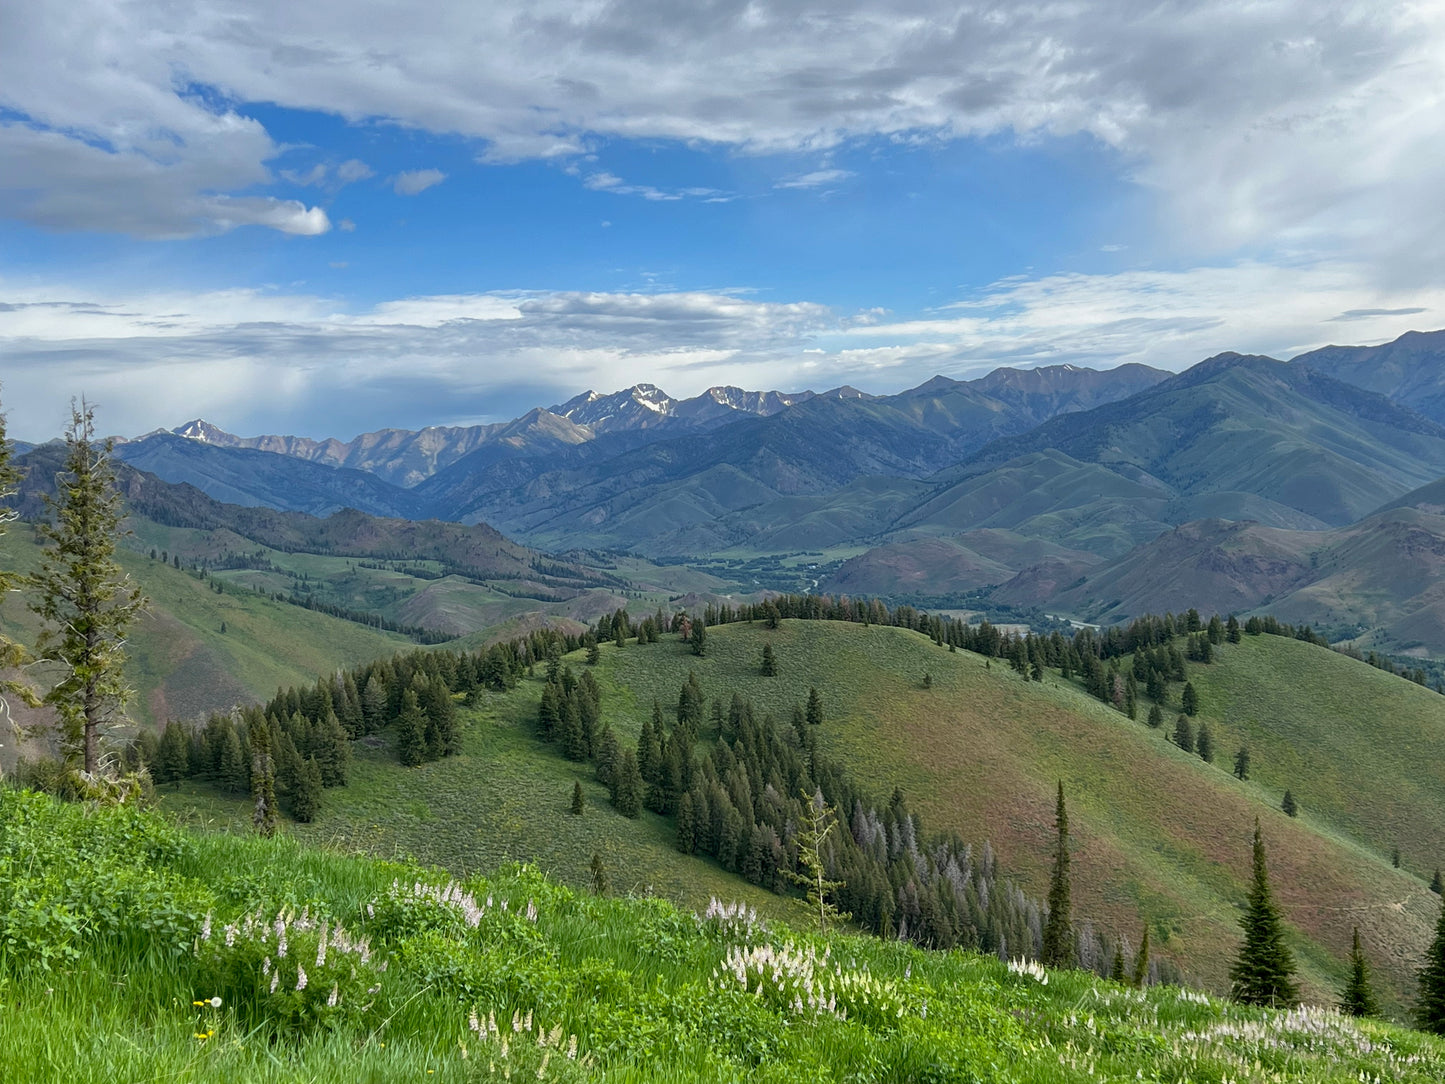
(182, 664)
(1160, 835)
(206, 957)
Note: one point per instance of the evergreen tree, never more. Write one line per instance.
(1430, 1009)
(599, 875)
(698, 637)
(819, 820)
(85, 599)
(578, 801)
(1156, 717)
(609, 758)
(1436, 885)
(629, 786)
(263, 780)
(1140, 977)
(770, 661)
(232, 773)
(814, 712)
(686, 825)
(1395, 858)
(1358, 999)
(410, 731)
(1204, 743)
(1189, 699)
(1289, 805)
(1241, 763)
(549, 713)
(927, 680)
(173, 759)
(305, 798)
(373, 704)
(1264, 972)
(1058, 939)
(1184, 733)
(1116, 967)
(594, 654)
(1231, 630)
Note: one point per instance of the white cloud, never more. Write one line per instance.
(819, 178)
(263, 361)
(353, 170)
(415, 181)
(1287, 122)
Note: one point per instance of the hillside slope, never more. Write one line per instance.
(1158, 833)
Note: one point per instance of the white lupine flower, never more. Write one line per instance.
(275, 979)
(300, 977)
(334, 997)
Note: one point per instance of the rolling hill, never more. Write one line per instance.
(1159, 835)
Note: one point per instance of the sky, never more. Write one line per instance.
(325, 219)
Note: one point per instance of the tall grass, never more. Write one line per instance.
(517, 977)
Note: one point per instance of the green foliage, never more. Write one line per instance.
(1289, 805)
(1430, 1008)
(819, 821)
(83, 596)
(769, 666)
(1358, 998)
(1263, 974)
(1058, 938)
(409, 975)
(578, 801)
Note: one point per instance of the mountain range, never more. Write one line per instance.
(1096, 493)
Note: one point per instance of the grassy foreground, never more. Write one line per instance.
(117, 930)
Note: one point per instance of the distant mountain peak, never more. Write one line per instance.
(202, 430)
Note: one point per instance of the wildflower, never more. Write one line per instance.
(206, 927)
(300, 977)
(275, 978)
(334, 998)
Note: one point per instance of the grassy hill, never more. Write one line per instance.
(1160, 836)
(182, 664)
(211, 957)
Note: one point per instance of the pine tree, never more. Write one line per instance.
(1189, 699)
(1241, 763)
(1140, 977)
(599, 875)
(1264, 972)
(1289, 805)
(594, 654)
(927, 680)
(1058, 939)
(410, 731)
(1395, 858)
(814, 713)
(305, 799)
(629, 786)
(263, 780)
(1358, 999)
(578, 801)
(173, 759)
(1436, 885)
(770, 661)
(698, 637)
(1116, 966)
(85, 599)
(1430, 1009)
(1156, 717)
(1204, 743)
(686, 826)
(819, 820)
(1184, 733)
(232, 773)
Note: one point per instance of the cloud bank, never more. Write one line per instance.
(256, 361)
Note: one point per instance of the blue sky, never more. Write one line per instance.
(337, 218)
